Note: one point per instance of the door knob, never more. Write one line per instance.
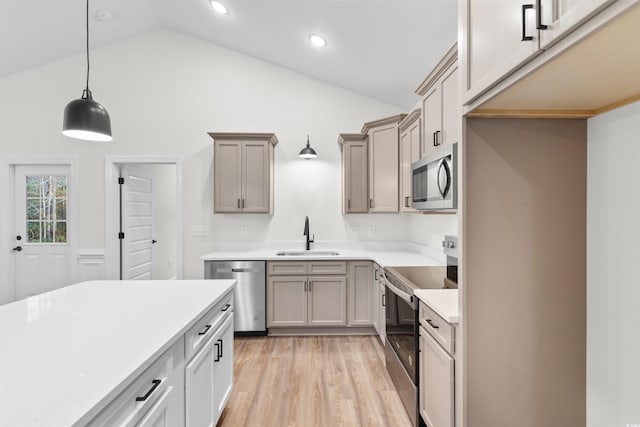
(17, 248)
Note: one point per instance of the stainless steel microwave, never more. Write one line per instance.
(435, 183)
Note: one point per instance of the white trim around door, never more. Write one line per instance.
(8, 291)
(112, 209)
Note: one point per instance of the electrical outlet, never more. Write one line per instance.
(243, 231)
(371, 230)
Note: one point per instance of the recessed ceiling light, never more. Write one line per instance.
(219, 7)
(317, 41)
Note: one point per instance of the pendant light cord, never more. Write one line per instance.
(88, 92)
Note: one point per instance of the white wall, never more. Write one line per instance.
(164, 92)
(613, 280)
(430, 229)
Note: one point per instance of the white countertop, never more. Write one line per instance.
(443, 301)
(393, 255)
(65, 354)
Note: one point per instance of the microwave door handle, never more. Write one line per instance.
(443, 165)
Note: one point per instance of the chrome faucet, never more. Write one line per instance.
(306, 233)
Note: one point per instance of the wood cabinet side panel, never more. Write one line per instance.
(524, 268)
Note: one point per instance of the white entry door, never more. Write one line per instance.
(137, 223)
(42, 246)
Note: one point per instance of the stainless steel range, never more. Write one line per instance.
(401, 355)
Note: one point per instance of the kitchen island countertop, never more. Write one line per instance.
(65, 354)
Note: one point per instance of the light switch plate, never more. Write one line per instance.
(200, 230)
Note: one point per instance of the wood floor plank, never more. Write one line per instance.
(312, 381)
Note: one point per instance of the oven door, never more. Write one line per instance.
(400, 327)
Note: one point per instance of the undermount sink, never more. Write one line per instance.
(307, 253)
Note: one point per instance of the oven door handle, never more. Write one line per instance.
(405, 296)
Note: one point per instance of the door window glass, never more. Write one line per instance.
(46, 208)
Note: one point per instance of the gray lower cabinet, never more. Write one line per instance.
(320, 294)
(361, 290)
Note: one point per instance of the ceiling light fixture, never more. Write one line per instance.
(317, 41)
(85, 118)
(219, 7)
(308, 152)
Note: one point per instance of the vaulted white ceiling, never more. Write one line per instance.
(380, 48)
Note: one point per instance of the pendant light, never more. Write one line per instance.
(308, 152)
(85, 118)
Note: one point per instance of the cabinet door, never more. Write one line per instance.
(431, 118)
(223, 366)
(451, 108)
(494, 45)
(199, 382)
(377, 302)
(436, 383)
(355, 177)
(383, 314)
(561, 16)
(360, 293)
(383, 169)
(286, 301)
(410, 151)
(255, 177)
(160, 415)
(227, 176)
(327, 296)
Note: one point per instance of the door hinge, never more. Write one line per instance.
(120, 180)
(120, 235)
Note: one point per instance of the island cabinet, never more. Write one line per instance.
(209, 368)
(155, 397)
(383, 136)
(243, 172)
(441, 107)
(188, 385)
(355, 160)
(410, 151)
(306, 294)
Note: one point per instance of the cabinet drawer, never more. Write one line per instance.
(327, 267)
(287, 267)
(198, 334)
(439, 328)
(137, 400)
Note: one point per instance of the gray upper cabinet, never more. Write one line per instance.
(441, 105)
(410, 151)
(383, 163)
(243, 172)
(355, 193)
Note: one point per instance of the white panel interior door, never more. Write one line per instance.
(137, 223)
(42, 247)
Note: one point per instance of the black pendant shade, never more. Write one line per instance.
(308, 152)
(86, 119)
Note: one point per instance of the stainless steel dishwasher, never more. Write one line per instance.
(249, 295)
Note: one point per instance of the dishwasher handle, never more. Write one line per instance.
(235, 270)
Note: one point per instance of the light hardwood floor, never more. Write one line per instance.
(312, 381)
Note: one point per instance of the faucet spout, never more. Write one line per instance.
(306, 233)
